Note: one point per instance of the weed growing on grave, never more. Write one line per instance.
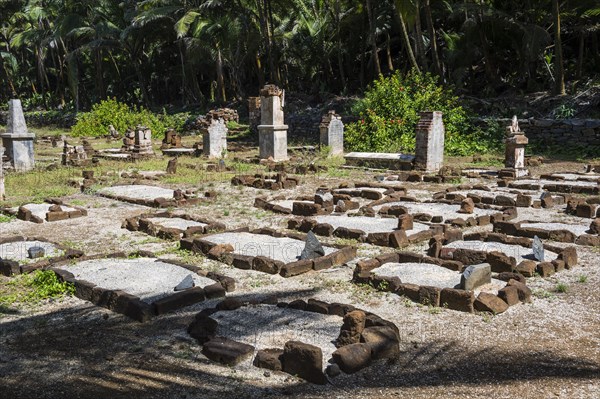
(456, 181)
(582, 279)
(347, 242)
(408, 303)
(486, 317)
(226, 212)
(542, 294)
(562, 288)
(6, 218)
(32, 288)
(434, 310)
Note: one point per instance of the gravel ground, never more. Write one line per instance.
(68, 348)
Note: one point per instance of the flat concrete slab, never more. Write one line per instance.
(367, 224)
(142, 192)
(283, 249)
(577, 176)
(17, 251)
(420, 274)
(267, 326)
(448, 211)
(518, 252)
(179, 151)
(380, 156)
(146, 278)
(176, 223)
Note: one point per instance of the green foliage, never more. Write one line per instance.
(111, 112)
(34, 287)
(582, 279)
(564, 111)
(562, 287)
(390, 110)
(6, 218)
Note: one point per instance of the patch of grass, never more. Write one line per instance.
(542, 294)
(6, 218)
(562, 288)
(32, 288)
(582, 279)
(349, 242)
(456, 181)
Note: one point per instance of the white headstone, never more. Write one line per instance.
(430, 137)
(2, 193)
(332, 133)
(215, 139)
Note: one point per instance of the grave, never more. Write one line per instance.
(267, 250)
(47, 212)
(15, 257)
(273, 182)
(307, 339)
(141, 287)
(440, 283)
(172, 140)
(74, 155)
(215, 139)
(580, 234)
(380, 160)
(570, 187)
(514, 160)
(17, 141)
(172, 226)
(332, 133)
(437, 210)
(272, 131)
(152, 196)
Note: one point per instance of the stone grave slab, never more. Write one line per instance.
(152, 196)
(447, 211)
(578, 187)
(519, 252)
(307, 339)
(554, 231)
(138, 287)
(391, 161)
(15, 257)
(267, 251)
(40, 213)
(172, 226)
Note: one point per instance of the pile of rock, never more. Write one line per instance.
(203, 122)
(272, 182)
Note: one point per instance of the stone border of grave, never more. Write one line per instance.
(262, 181)
(265, 264)
(584, 207)
(451, 298)
(500, 262)
(560, 235)
(10, 267)
(132, 306)
(522, 200)
(553, 188)
(446, 174)
(51, 216)
(180, 198)
(581, 177)
(364, 337)
(144, 224)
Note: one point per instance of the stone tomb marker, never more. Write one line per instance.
(215, 139)
(332, 133)
(17, 140)
(430, 134)
(272, 133)
(514, 159)
(2, 193)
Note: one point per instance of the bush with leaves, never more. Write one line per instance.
(111, 112)
(389, 113)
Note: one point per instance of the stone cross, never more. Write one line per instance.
(215, 139)
(332, 133)
(272, 133)
(430, 135)
(17, 140)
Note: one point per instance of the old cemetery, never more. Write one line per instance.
(256, 268)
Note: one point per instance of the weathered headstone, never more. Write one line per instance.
(36, 252)
(332, 133)
(172, 166)
(142, 141)
(475, 276)
(312, 248)
(430, 136)
(215, 139)
(17, 140)
(538, 249)
(272, 133)
(514, 158)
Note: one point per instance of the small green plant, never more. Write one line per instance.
(562, 288)
(542, 294)
(6, 218)
(582, 279)
(34, 287)
(226, 212)
(434, 310)
(564, 111)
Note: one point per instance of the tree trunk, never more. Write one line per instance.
(373, 39)
(388, 49)
(419, 36)
(406, 39)
(559, 70)
(437, 65)
(340, 56)
(142, 82)
(581, 53)
(220, 78)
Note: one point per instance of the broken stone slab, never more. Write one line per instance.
(36, 252)
(475, 276)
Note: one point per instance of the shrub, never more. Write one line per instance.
(111, 112)
(389, 113)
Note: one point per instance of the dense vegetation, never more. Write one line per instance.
(72, 54)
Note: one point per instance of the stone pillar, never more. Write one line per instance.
(215, 139)
(143, 141)
(2, 193)
(272, 133)
(254, 113)
(332, 133)
(514, 156)
(17, 140)
(430, 133)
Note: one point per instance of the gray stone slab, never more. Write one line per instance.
(40, 210)
(573, 228)
(145, 278)
(176, 223)
(420, 274)
(448, 211)
(368, 224)
(283, 249)
(380, 156)
(18, 251)
(518, 252)
(138, 192)
(555, 182)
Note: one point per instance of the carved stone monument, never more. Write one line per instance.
(430, 134)
(332, 133)
(17, 140)
(215, 139)
(514, 157)
(272, 133)
(142, 141)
